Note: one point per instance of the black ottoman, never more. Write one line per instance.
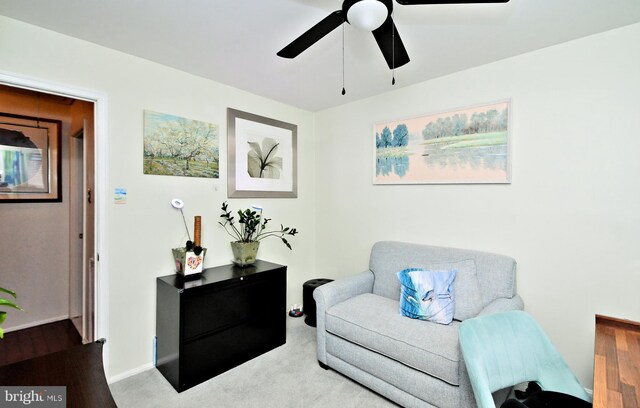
(308, 303)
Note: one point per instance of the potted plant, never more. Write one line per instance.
(247, 232)
(7, 303)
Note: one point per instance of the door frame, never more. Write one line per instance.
(101, 165)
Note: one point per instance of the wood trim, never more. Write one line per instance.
(614, 321)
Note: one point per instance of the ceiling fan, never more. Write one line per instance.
(370, 15)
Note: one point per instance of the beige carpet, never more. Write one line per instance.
(288, 376)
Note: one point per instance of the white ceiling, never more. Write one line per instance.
(235, 41)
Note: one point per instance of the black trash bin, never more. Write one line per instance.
(308, 303)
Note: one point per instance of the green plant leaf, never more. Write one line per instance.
(12, 293)
(5, 302)
(252, 227)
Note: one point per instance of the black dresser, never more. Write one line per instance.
(227, 316)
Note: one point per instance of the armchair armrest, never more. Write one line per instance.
(503, 305)
(342, 289)
(333, 293)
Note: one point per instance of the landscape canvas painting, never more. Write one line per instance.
(176, 146)
(468, 145)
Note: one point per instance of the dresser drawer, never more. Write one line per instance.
(228, 349)
(218, 309)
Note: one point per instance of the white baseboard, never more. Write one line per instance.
(130, 373)
(37, 323)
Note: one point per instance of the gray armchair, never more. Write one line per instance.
(415, 363)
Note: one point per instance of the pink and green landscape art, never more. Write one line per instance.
(468, 145)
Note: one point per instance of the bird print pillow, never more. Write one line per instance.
(427, 294)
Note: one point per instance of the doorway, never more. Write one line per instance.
(78, 198)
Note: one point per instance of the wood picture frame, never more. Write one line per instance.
(30, 159)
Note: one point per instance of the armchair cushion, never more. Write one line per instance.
(374, 323)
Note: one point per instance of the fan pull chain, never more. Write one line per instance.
(343, 90)
(393, 52)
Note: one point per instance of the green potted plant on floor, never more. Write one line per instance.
(7, 303)
(250, 229)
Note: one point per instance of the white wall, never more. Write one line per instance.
(142, 232)
(570, 216)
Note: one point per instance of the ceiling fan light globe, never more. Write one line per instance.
(367, 14)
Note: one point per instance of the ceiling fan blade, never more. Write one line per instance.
(390, 44)
(417, 2)
(312, 35)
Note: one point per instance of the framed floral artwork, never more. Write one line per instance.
(262, 156)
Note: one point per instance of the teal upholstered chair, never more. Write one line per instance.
(509, 348)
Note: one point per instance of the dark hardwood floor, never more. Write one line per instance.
(38, 341)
